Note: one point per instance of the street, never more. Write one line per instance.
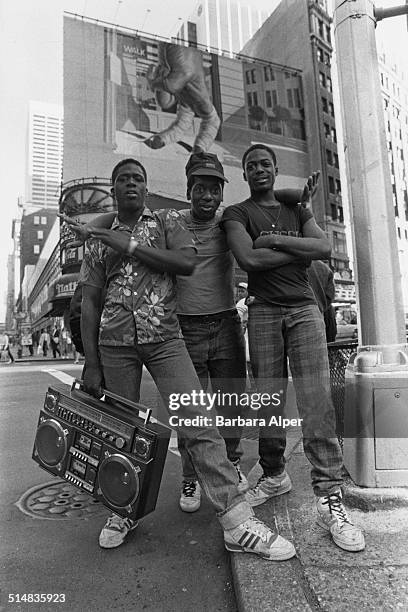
(163, 565)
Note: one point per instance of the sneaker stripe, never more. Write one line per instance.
(254, 542)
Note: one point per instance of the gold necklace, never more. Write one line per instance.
(261, 208)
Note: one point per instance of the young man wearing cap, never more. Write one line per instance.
(274, 243)
(135, 324)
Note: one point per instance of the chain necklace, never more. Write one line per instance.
(262, 209)
(200, 228)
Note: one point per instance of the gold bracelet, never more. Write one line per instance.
(132, 245)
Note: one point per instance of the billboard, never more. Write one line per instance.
(127, 95)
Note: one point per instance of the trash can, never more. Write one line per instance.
(375, 433)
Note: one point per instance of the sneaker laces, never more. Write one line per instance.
(238, 468)
(117, 523)
(260, 481)
(189, 488)
(336, 507)
(259, 528)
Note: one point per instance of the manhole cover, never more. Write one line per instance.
(59, 500)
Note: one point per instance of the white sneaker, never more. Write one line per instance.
(190, 498)
(267, 487)
(333, 517)
(115, 531)
(253, 536)
(243, 484)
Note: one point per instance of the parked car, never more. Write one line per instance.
(346, 320)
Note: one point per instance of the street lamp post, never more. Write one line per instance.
(376, 399)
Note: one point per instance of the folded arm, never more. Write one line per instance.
(249, 258)
(313, 244)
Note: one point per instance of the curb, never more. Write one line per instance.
(372, 499)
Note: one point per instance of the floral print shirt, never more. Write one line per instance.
(140, 303)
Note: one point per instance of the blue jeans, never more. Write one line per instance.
(278, 334)
(217, 349)
(173, 372)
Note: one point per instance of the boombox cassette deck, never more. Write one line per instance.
(110, 450)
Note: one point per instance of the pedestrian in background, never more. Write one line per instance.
(5, 346)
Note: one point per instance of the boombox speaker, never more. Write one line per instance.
(110, 450)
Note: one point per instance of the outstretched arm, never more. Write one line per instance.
(81, 230)
(175, 261)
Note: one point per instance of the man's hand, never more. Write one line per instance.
(310, 189)
(80, 229)
(119, 241)
(267, 241)
(93, 381)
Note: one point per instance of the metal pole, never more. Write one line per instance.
(378, 277)
(384, 13)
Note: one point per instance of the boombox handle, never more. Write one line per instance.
(121, 400)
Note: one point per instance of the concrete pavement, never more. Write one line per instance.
(163, 558)
(322, 576)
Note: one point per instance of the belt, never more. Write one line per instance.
(226, 314)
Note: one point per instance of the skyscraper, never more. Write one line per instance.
(45, 148)
(298, 33)
(224, 25)
(394, 87)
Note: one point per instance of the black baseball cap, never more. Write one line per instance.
(205, 164)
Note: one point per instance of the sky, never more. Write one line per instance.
(31, 69)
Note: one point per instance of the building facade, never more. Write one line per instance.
(394, 87)
(45, 148)
(224, 26)
(298, 33)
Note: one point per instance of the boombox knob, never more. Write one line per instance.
(119, 442)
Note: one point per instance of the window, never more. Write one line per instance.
(36, 249)
(320, 55)
(36, 220)
(328, 33)
(335, 160)
(271, 98)
(333, 134)
(329, 157)
(338, 186)
(43, 220)
(324, 105)
(329, 84)
(331, 184)
(333, 212)
(248, 77)
(327, 130)
(327, 59)
(320, 28)
(339, 242)
(268, 73)
(331, 108)
(322, 79)
(296, 95)
(40, 235)
(340, 214)
(290, 98)
(253, 76)
(399, 232)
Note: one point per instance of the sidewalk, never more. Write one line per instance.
(322, 576)
(41, 358)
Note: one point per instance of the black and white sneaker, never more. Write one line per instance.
(253, 536)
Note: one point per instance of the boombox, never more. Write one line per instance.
(106, 449)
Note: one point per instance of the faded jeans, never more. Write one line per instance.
(278, 334)
(217, 349)
(173, 372)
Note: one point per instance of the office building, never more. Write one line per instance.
(394, 88)
(45, 148)
(224, 25)
(298, 33)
